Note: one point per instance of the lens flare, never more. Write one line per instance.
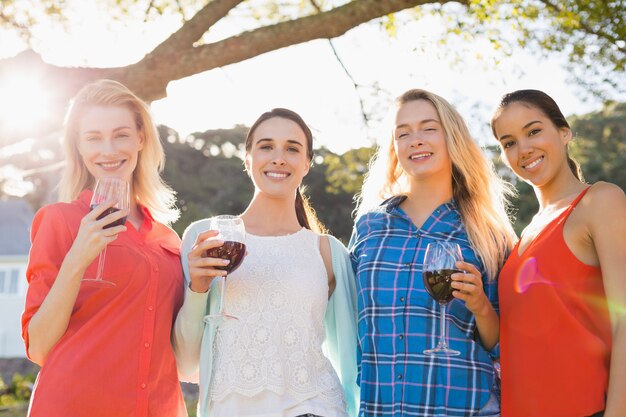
(528, 275)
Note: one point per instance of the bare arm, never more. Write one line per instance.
(50, 321)
(328, 263)
(469, 288)
(607, 222)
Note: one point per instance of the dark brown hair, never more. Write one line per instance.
(547, 105)
(304, 211)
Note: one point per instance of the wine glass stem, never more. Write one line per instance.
(443, 341)
(101, 264)
(222, 295)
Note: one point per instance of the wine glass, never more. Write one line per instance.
(232, 232)
(439, 264)
(117, 190)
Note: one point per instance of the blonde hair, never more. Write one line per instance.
(148, 186)
(480, 193)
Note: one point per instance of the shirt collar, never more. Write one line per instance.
(391, 204)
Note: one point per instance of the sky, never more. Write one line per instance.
(308, 78)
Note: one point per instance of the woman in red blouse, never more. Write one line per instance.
(105, 351)
(562, 290)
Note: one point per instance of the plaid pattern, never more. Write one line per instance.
(398, 319)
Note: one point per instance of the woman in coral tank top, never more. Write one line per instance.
(562, 290)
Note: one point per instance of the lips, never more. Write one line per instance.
(532, 164)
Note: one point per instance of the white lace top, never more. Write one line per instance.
(270, 361)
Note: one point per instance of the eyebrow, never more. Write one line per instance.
(98, 131)
(291, 141)
(526, 126)
(420, 123)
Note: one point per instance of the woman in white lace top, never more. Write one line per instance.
(293, 350)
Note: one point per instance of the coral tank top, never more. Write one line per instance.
(555, 334)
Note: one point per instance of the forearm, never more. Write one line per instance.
(50, 322)
(488, 324)
(188, 331)
(616, 398)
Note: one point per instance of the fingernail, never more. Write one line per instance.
(225, 261)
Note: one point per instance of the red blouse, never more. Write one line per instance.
(555, 339)
(115, 359)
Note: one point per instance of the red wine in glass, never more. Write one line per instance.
(438, 284)
(233, 251)
(108, 211)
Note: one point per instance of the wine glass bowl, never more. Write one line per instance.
(439, 265)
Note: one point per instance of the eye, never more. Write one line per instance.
(430, 129)
(265, 147)
(507, 144)
(534, 132)
(293, 149)
(401, 135)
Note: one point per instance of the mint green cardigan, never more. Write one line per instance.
(193, 339)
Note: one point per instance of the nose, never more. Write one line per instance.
(525, 147)
(279, 158)
(416, 140)
(108, 147)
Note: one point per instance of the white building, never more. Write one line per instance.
(15, 219)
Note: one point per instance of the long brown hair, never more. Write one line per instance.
(149, 188)
(546, 104)
(479, 192)
(304, 211)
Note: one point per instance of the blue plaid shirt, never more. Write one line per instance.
(397, 319)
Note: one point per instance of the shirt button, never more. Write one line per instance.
(146, 345)
(399, 376)
(402, 299)
(407, 265)
(143, 386)
(155, 269)
(150, 308)
(401, 336)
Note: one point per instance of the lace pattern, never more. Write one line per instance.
(280, 294)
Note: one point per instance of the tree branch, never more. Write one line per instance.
(184, 38)
(587, 28)
(325, 25)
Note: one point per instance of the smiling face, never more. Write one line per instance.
(109, 141)
(277, 158)
(532, 146)
(419, 140)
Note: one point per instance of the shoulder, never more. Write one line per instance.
(194, 229)
(604, 198)
(167, 234)
(58, 214)
(604, 205)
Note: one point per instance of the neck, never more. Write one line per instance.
(425, 195)
(267, 215)
(559, 190)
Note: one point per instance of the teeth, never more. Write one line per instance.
(534, 163)
(110, 164)
(420, 156)
(277, 174)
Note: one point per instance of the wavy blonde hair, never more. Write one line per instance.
(148, 186)
(480, 193)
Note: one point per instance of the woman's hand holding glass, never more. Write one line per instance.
(202, 270)
(92, 236)
(469, 288)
